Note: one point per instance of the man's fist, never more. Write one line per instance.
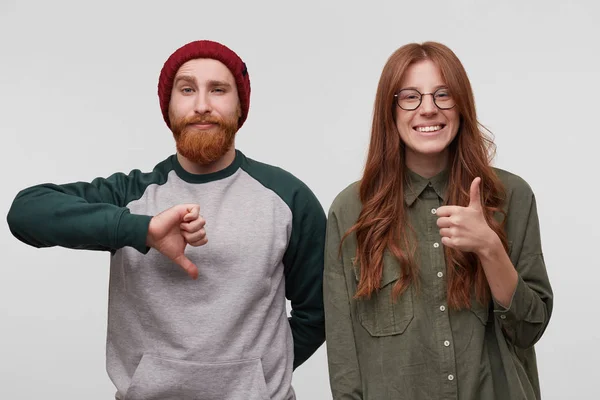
(173, 229)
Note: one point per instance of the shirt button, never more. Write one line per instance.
(442, 308)
(502, 316)
(430, 184)
(433, 210)
(446, 343)
(440, 274)
(450, 377)
(436, 245)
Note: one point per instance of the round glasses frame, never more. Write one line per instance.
(397, 96)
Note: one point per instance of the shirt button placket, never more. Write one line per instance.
(444, 326)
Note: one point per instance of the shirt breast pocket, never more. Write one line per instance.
(381, 314)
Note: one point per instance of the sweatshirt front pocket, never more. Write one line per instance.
(167, 379)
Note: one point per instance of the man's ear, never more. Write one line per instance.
(169, 113)
(239, 113)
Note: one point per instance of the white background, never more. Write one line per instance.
(78, 100)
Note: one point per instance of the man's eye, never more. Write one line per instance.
(219, 90)
(187, 90)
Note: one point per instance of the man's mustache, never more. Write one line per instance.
(203, 120)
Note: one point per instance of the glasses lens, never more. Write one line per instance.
(409, 99)
(443, 99)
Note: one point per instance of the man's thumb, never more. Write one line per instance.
(187, 265)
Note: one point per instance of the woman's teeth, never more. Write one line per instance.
(428, 128)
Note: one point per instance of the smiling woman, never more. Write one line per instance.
(426, 129)
(435, 285)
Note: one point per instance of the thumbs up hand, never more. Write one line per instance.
(465, 228)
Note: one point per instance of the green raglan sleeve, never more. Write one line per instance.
(82, 215)
(303, 263)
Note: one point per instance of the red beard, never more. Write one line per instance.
(204, 146)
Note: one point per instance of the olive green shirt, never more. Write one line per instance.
(418, 348)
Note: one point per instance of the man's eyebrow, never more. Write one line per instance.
(185, 78)
(218, 83)
(192, 80)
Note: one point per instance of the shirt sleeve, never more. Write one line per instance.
(526, 318)
(81, 215)
(303, 266)
(344, 372)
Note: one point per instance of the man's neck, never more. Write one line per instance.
(199, 169)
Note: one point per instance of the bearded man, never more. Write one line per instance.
(208, 320)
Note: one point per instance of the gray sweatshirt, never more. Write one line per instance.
(226, 335)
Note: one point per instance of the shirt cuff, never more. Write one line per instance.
(510, 313)
(133, 231)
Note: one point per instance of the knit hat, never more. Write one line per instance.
(204, 49)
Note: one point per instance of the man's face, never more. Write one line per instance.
(204, 110)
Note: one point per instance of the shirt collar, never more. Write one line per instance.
(416, 184)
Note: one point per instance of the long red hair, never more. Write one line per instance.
(382, 223)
